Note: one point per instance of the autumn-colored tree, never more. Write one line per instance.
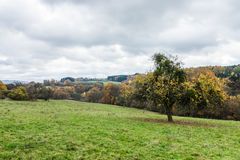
(210, 93)
(203, 94)
(60, 93)
(110, 93)
(140, 92)
(33, 90)
(234, 81)
(45, 93)
(93, 95)
(69, 89)
(164, 85)
(19, 93)
(3, 87)
(79, 88)
(231, 108)
(187, 102)
(126, 94)
(141, 84)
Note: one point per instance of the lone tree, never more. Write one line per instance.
(45, 93)
(164, 88)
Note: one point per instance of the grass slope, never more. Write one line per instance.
(74, 130)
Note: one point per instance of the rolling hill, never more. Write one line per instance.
(77, 130)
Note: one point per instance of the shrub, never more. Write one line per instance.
(18, 93)
(93, 95)
(2, 95)
(2, 86)
(32, 90)
(76, 96)
(110, 93)
(60, 93)
(231, 109)
(44, 93)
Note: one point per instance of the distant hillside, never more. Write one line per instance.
(223, 71)
(117, 78)
(121, 78)
(14, 81)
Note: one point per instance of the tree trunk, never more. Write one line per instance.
(169, 113)
(170, 119)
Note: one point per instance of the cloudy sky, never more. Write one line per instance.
(42, 39)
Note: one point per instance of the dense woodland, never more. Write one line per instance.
(209, 92)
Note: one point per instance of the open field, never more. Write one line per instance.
(76, 130)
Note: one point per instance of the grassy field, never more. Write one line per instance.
(75, 130)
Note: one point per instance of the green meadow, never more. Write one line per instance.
(77, 130)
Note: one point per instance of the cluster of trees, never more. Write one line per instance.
(230, 73)
(31, 91)
(196, 92)
(72, 81)
(94, 92)
(210, 92)
(172, 90)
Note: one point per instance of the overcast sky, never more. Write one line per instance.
(42, 39)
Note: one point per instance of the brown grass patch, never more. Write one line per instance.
(180, 122)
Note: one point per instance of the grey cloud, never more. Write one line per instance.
(132, 24)
(53, 38)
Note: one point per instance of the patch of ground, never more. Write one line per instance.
(180, 122)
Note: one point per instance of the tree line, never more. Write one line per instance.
(170, 89)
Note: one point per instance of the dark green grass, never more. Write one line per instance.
(74, 130)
